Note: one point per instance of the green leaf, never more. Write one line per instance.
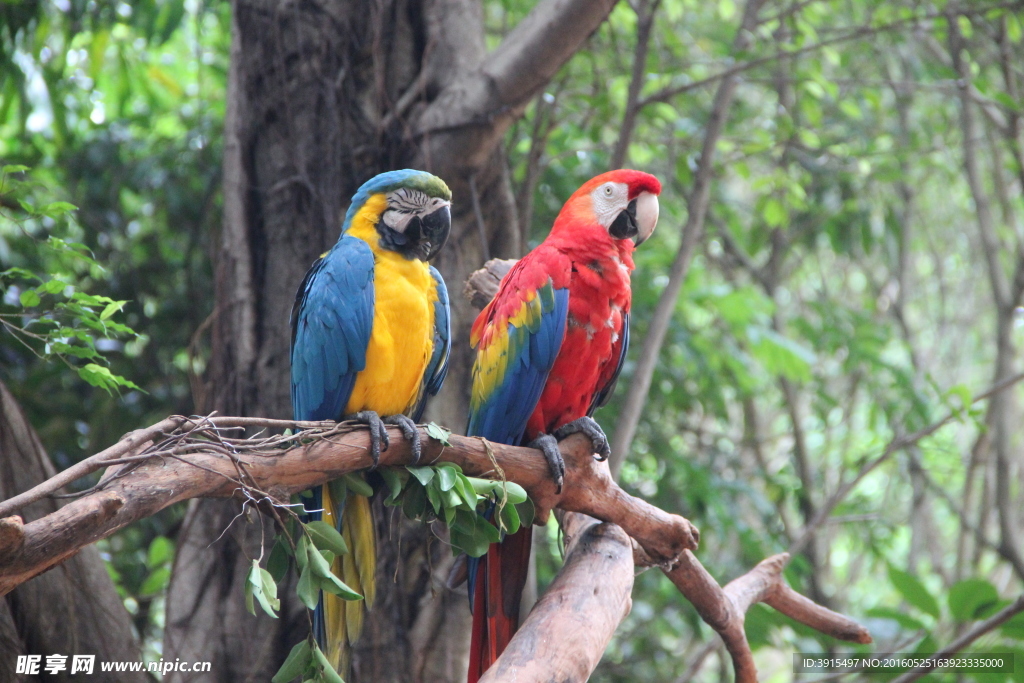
(101, 377)
(509, 517)
(329, 674)
(358, 485)
(527, 512)
(464, 487)
(483, 487)
(295, 664)
(250, 606)
(774, 213)
(434, 496)
(264, 589)
(51, 287)
(319, 566)
(161, 551)
(414, 502)
(301, 548)
(913, 591)
(1014, 627)
(439, 433)
(307, 588)
(447, 476)
(112, 308)
(13, 168)
(468, 535)
(29, 298)
(332, 584)
(278, 562)
(324, 535)
(156, 581)
(516, 493)
(55, 209)
(395, 481)
(422, 474)
(972, 599)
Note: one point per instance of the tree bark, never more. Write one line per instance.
(321, 97)
(72, 610)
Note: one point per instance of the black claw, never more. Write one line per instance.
(410, 432)
(548, 445)
(378, 433)
(589, 428)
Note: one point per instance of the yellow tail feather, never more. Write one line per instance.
(343, 618)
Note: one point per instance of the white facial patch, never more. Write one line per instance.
(608, 200)
(406, 203)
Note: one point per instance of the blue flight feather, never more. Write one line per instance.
(437, 368)
(503, 416)
(331, 323)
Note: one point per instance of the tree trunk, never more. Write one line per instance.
(321, 97)
(72, 609)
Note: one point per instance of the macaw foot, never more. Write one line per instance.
(548, 445)
(378, 432)
(589, 428)
(410, 433)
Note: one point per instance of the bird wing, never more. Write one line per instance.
(437, 368)
(517, 338)
(610, 374)
(332, 318)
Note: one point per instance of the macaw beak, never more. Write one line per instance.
(429, 233)
(646, 216)
(436, 228)
(637, 220)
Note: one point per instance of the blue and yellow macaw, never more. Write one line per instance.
(370, 338)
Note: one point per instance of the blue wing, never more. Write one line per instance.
(512, 367)
(437, 368)
(331, 322)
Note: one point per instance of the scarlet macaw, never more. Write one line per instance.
(549, 349)
(371, 337)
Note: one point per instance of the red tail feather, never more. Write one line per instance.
(500, 578)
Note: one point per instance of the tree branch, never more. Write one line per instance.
(199, 458)
(199, 461)
(492, 96)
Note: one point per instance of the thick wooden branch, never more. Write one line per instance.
(270, 470)
(569, 628)
(468, 118)
(724, 609)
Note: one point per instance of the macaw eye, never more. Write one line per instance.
(608, 190)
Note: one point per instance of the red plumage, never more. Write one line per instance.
(582, 255)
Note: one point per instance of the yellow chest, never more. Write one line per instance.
(402, 338)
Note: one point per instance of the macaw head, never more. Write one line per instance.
(623, 202)
(413, 212)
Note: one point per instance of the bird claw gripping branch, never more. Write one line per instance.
(587, 426)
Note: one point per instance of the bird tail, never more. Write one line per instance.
(338, 623)
(496, 583)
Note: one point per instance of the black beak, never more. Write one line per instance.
(422, 238)
(624, 226)
(434, 230)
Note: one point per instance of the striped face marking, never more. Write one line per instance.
(407, 203)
